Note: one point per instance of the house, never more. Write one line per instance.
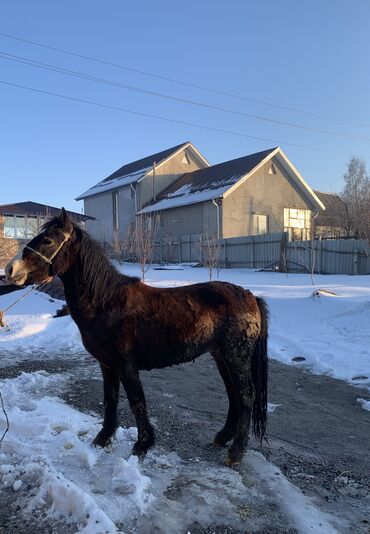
(256, 194)
(331, 223)
(115, 201)
(184, 194)
(21, 221)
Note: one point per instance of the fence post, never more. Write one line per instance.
(355, 261)
(283, 261)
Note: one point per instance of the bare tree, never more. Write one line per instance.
(143, 241)
(211, 252)
(356, 197)
(117, 248)
(8, 249)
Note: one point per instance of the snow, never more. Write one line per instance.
(33, 328)
(365, 404)
(115, 183)
(184, 196)
(48, 450)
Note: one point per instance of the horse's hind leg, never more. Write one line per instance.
(111, 396)
(129, 375)
(238, 361)
(229, 430)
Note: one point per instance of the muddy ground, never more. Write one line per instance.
(319, 436)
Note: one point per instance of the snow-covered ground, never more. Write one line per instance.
(48, 446)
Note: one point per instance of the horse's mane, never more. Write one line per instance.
(102, 279)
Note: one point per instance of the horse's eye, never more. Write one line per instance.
(47, 241)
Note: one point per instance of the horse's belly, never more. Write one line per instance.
(152, 359)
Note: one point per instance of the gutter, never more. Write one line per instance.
(217, 204)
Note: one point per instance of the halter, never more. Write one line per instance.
(50, 260)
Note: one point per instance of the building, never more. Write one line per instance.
(21, 221)
(331, 223)
(184, 194)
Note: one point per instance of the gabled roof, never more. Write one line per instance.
(133, 172)
(208, 183)
(334, 213)
(218, 181)
(34, 209)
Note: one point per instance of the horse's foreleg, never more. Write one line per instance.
(134, 390)
(111, 396)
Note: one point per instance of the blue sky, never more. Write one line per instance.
(309, 55)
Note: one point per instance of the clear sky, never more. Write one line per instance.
(312, 56)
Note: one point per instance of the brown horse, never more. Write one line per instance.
(129, 326)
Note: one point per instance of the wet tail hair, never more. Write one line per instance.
(260, 374)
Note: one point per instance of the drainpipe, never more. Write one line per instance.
(217, 204)
(134, 190)
(154, 171)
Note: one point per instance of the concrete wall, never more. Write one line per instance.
(185, 220)
(100, 207)
(262, 194)
(167, 173)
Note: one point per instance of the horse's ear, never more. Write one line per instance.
(64, 219)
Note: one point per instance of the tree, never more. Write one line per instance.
(356, 197)
(143, 241)
(211, 251)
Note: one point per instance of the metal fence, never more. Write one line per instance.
(271, 251)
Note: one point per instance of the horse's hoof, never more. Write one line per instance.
(218, 444)
(101, 440)
(139, 450)
(234, 464)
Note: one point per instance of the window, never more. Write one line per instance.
(185, 160)
(272, 169)
(115, 211)
(297, 223)
(22, 226)
(9, 229)
(260, 224)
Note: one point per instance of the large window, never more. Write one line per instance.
(297, 223)
(260, 224)
(22, 227)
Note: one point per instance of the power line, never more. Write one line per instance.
(167, 119)
(181, 82)
(55, 68)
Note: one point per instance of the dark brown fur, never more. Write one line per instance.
(129, 326)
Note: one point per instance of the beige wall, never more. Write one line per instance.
(263, 194)
(188, 220)
(167, 173)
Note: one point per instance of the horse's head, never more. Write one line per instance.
(45, 256)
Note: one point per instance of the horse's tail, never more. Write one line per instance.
(259, 374)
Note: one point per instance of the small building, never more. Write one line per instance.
(331, 223)
(21, 221)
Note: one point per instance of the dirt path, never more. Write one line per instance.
(319, 436)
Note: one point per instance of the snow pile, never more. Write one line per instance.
(48, 451)
(32, 326)
(365, 404)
